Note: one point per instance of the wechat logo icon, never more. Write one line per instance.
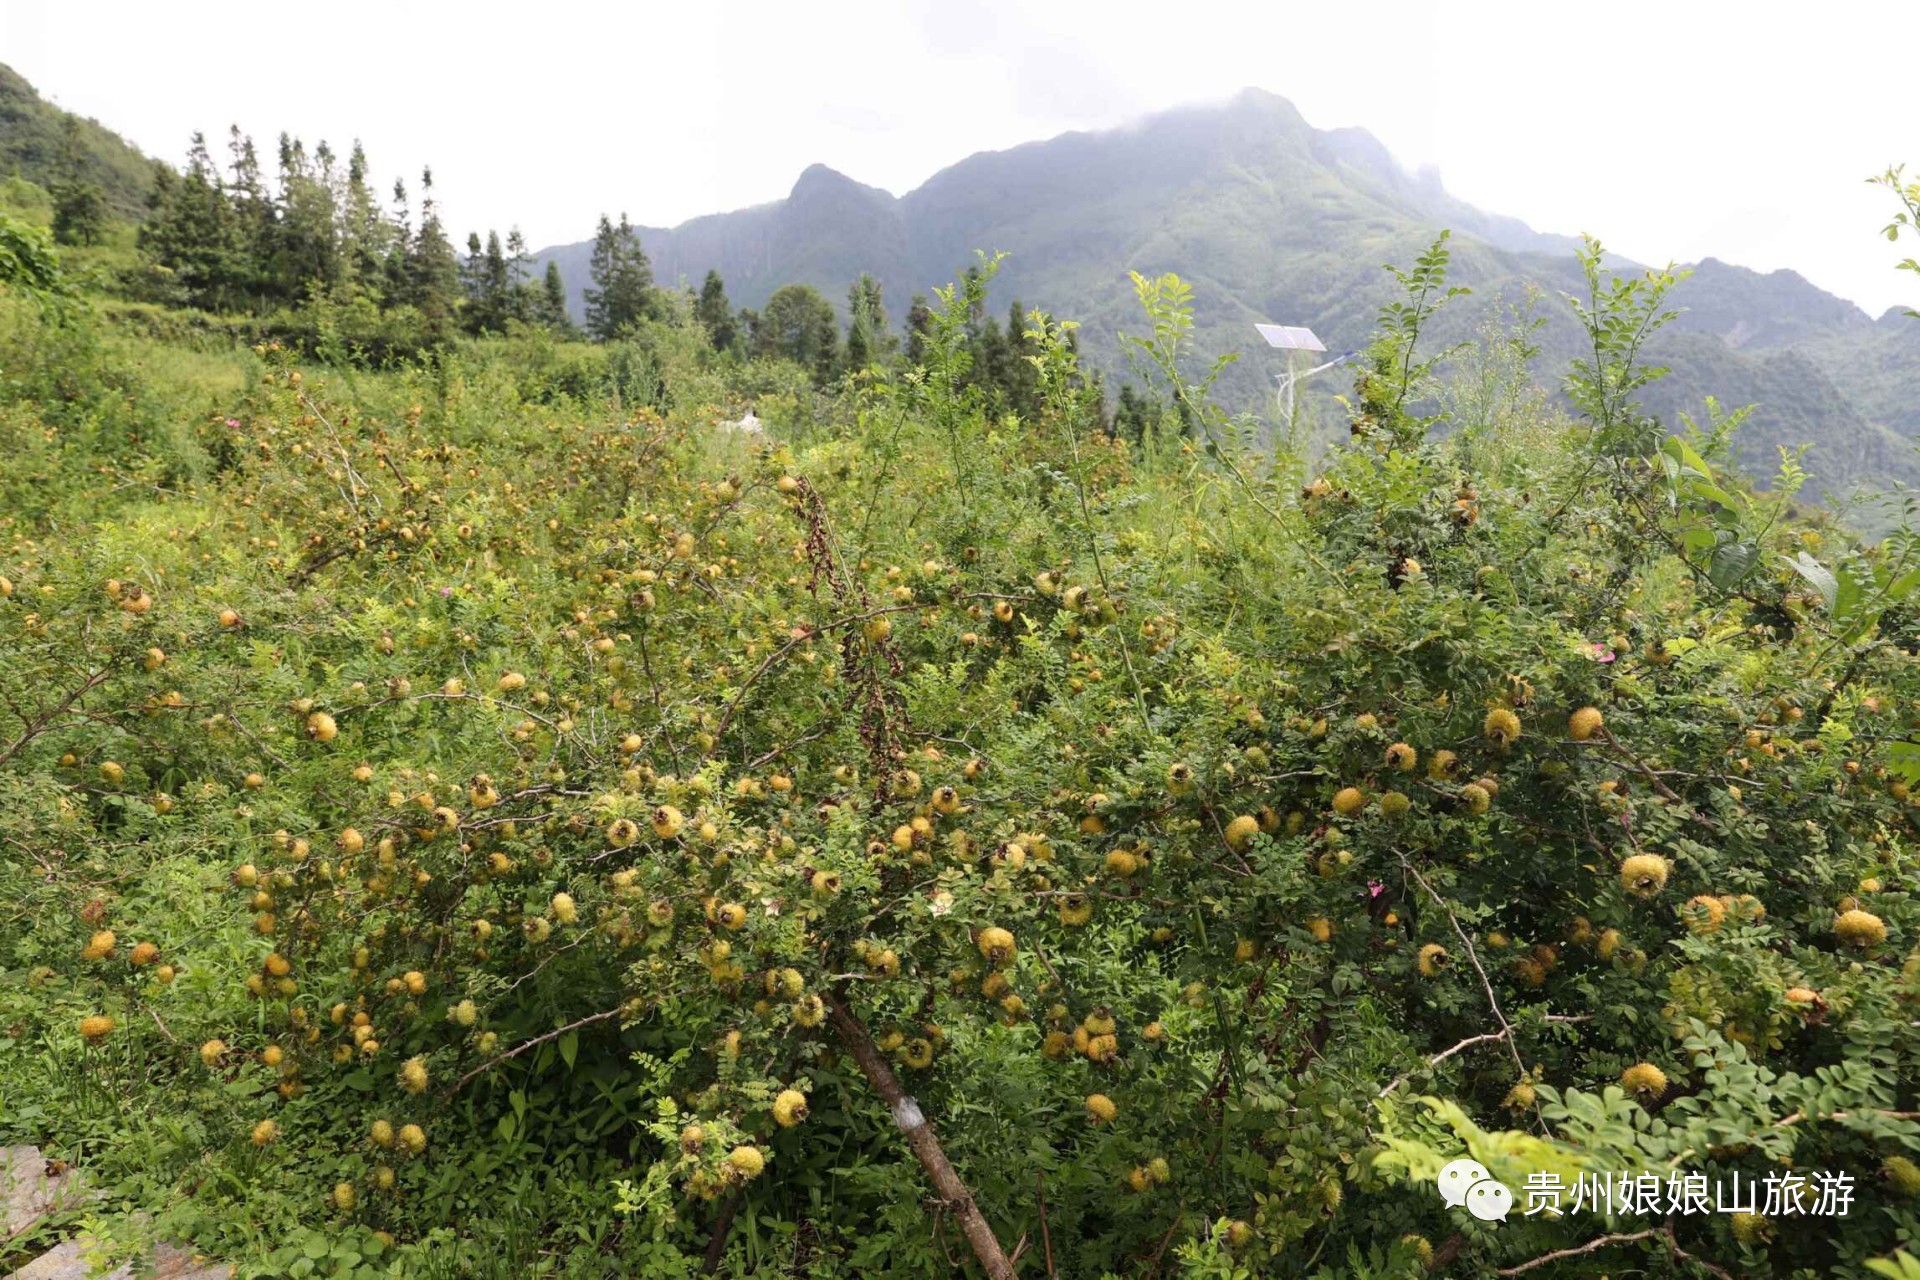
(1467, 1183)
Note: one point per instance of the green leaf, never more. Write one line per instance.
(1817, 574)
(1730, 563)
(569, 1046)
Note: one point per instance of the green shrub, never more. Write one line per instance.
(1211, 849)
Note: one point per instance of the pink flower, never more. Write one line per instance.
(1601, 653)
(1375, 888)
(445, 592)
(233, 422)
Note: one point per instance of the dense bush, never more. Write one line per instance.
(460, 825)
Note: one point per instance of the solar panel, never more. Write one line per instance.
(1290, 337)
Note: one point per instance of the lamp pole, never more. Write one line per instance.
(1292, 379)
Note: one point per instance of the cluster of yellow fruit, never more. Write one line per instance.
(1501, 727)
(103, 945)
(1095, 1037)
(707, 1178)
(1145, 1177)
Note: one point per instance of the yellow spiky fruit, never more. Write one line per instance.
(1703, 914)
(789, 1108)
(996, 945)
(1644, 874)
(1902, 1174)
(1644, 1079)
(1861, 929)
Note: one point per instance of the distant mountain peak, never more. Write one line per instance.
(1766, 309)
(1254, 98)
(817, 180)
(1273, 219)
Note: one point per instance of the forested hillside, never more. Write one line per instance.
(67, 155)
(1277, 221)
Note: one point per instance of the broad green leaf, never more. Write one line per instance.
(1816, 574)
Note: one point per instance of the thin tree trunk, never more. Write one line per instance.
(926, 1147)
(717, 1239)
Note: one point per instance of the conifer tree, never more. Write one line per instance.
(472, 272)
(859, 353)
(395, 269)
(919, 322)
(253, 213)
(522, 301)
(715, 313)
(365, 233)
(79, 208)
(191, 237)
(554, 301)
(868, 336)
(622, 293)
(433, 272)
(307, 252)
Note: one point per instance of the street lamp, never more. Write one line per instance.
(1295, 340)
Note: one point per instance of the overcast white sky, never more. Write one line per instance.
(1672, 129)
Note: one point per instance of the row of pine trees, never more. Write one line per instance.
(226, 238)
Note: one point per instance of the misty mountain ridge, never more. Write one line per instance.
(1272, 219)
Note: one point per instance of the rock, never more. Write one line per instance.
(67, 1261)
(29, 1193)
(170, 1262)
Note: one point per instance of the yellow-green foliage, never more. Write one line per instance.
(604, 922)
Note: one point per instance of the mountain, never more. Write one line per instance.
(1272, 219)
(33, 143)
